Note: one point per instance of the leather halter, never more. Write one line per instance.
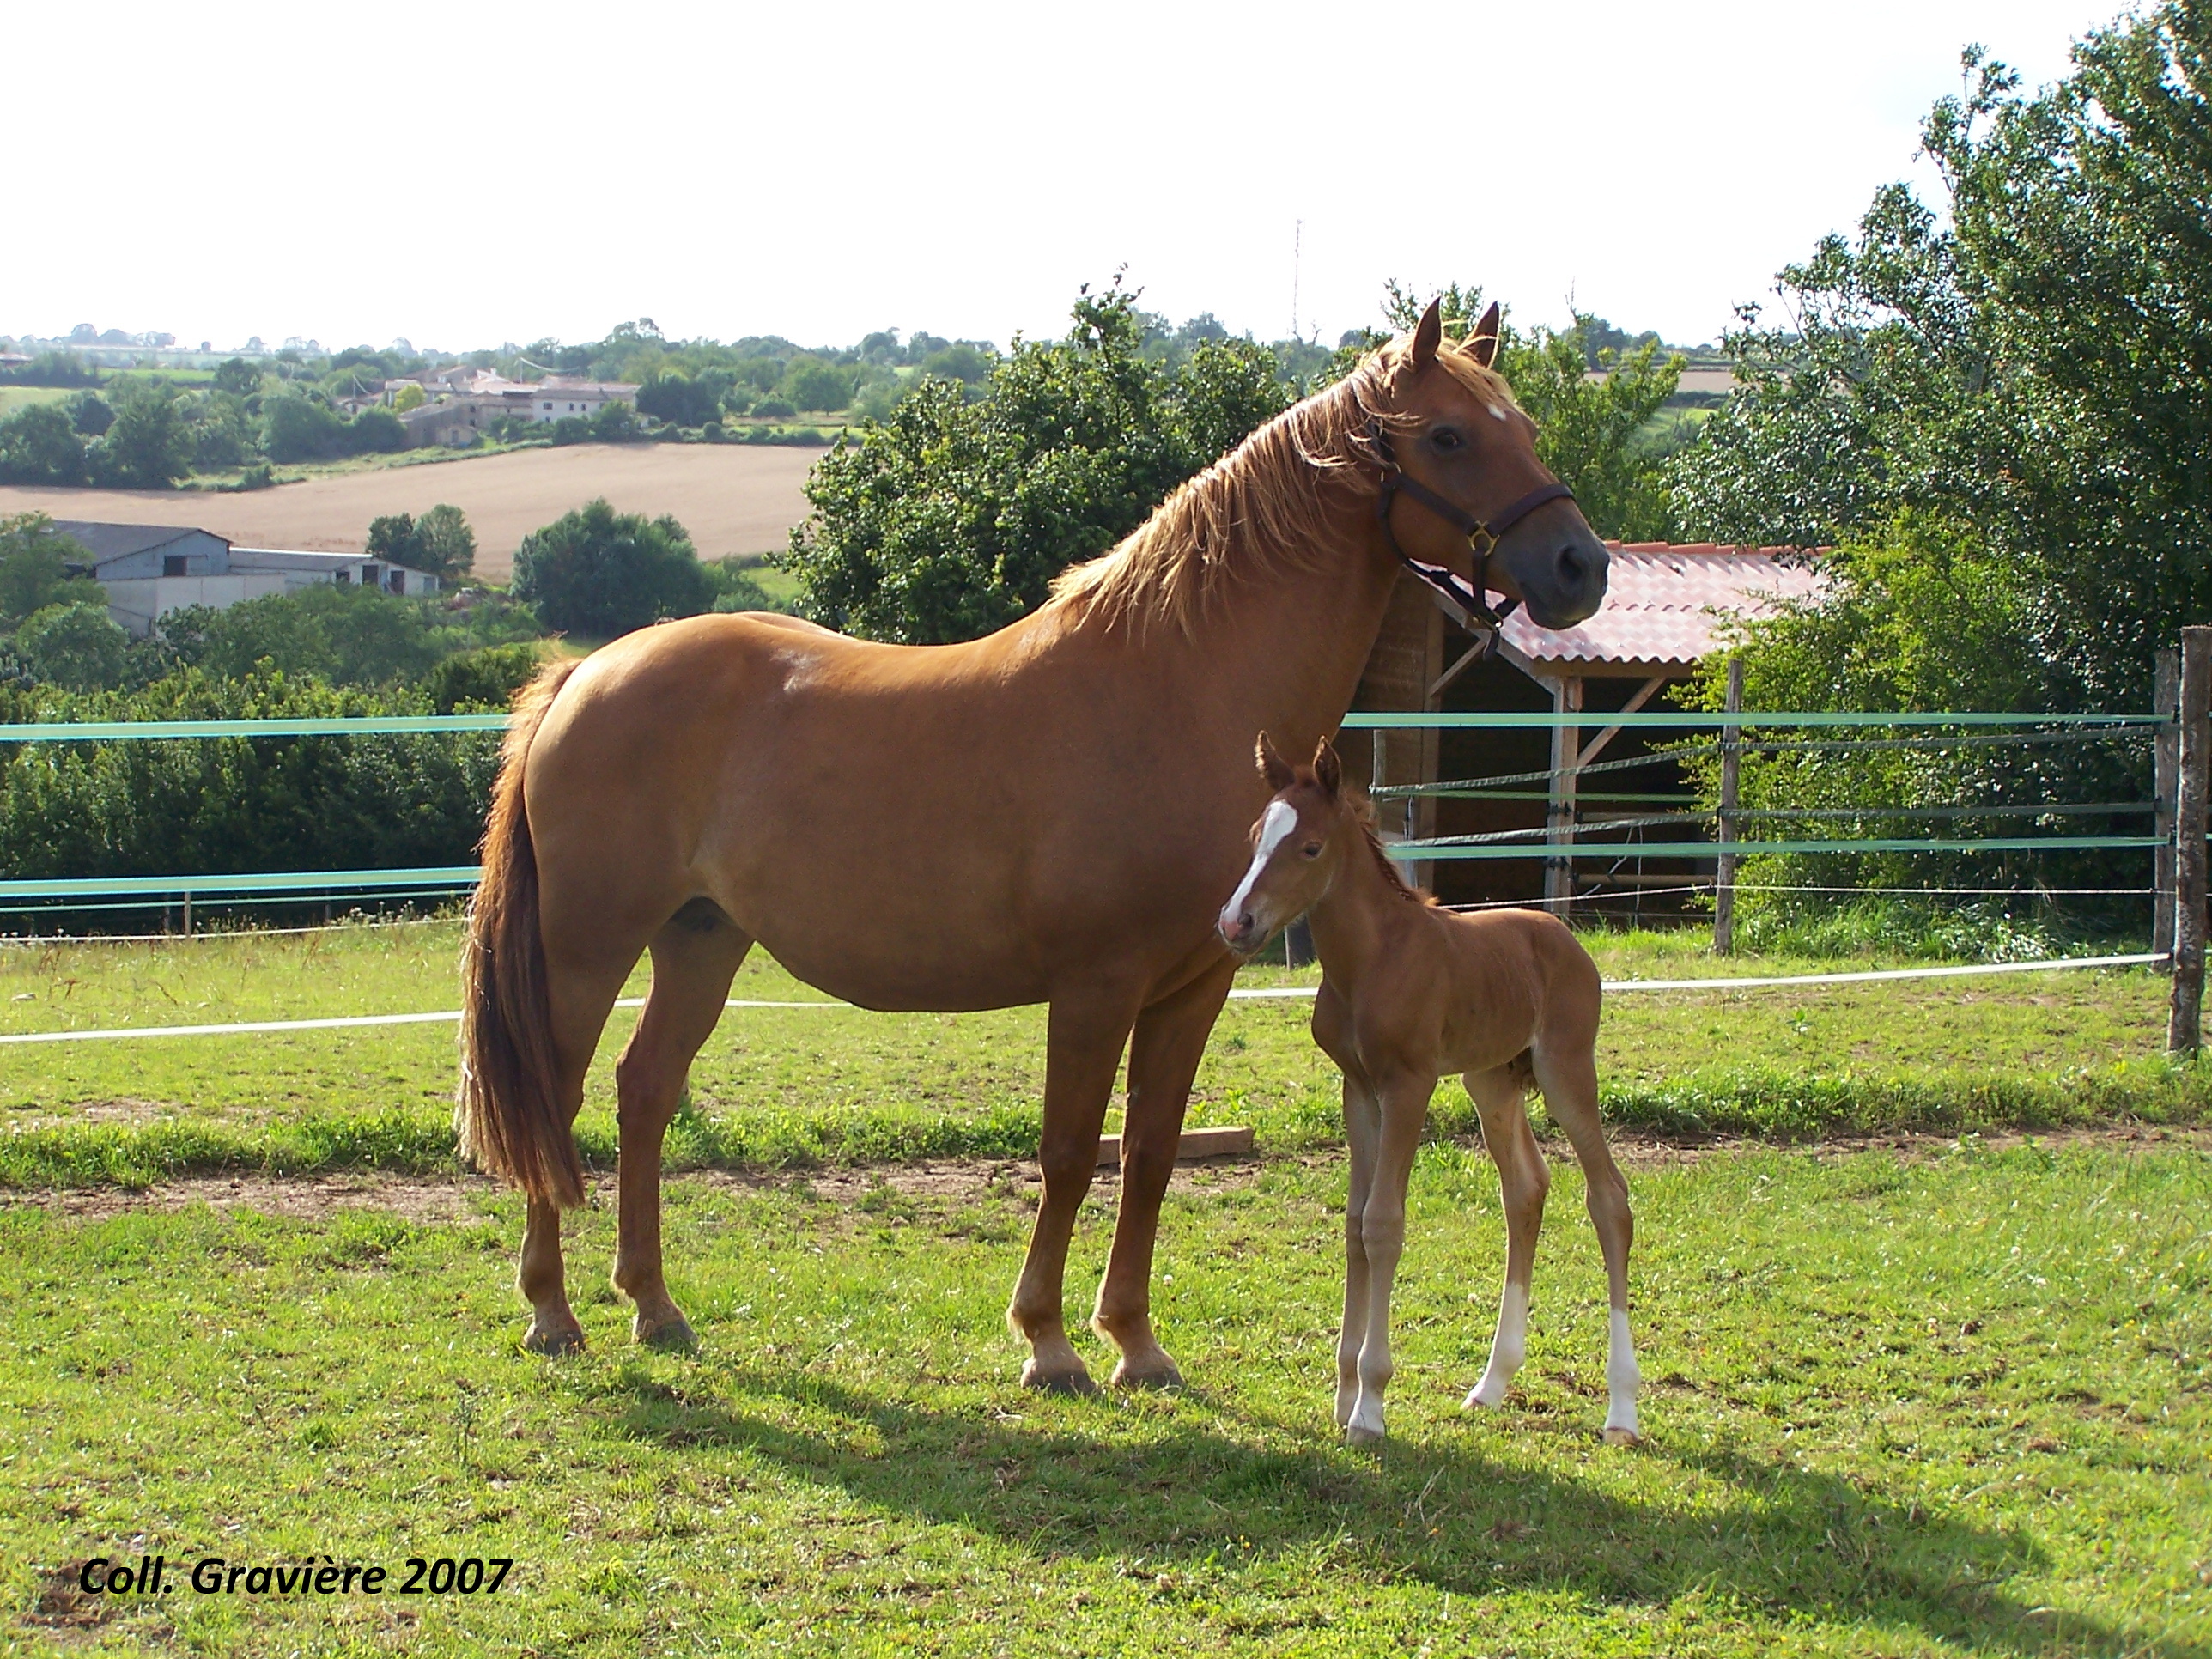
(1469, 599)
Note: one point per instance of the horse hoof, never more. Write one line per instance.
(1164, 1377)
(1355, 1435)
(1623, 1437)
(554, 1341)
(1077, 1382)
(1478, 1400)
(673, 1335)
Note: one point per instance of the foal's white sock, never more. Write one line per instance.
(1507, 1350)
(1621, 1378)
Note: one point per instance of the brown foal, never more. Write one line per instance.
(1049, 814)
(1408, 992)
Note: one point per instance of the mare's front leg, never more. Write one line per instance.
(1164, 1056)
(695, 956)
(1500, 1099)
(1404, 1099)
(1082, 1046)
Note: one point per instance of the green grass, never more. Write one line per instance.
(1956, 1405)
(792, 1087)
(13, 397)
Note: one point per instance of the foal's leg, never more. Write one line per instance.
(695, 956)
(1569, 1086)
(1083, 1047)
(1405, 1108)
(1363, 1133)
(1501, 1100)
(1163, 1055)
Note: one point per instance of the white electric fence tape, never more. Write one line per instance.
(1272, 993)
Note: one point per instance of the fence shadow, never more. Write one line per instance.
(1781, 1537)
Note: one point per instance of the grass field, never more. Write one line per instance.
(13, 397)
(733, 498)
(799, 1087)
(1955, 1404)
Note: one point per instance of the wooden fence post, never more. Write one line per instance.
(1559, 821)
(1731, 758)
(2166, 762)
(2183, 1025)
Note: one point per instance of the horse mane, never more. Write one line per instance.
(1271, 505)
(1363, 816)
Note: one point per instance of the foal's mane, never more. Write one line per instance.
(1270, 505)
(1363, 817)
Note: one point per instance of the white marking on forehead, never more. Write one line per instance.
(1275, 828)
(1496, 413)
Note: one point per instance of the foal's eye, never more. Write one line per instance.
(1311, 849)
(1448, 437)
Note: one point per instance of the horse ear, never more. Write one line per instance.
(1272, 767)
(1483, 342)
(1328, 769)
(1428, 334)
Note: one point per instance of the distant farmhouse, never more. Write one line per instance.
(147, 570)
(465, 402)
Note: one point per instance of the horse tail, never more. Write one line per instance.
(508, 1111)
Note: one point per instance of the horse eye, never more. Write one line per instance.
(1312, 849)
(1447, 437)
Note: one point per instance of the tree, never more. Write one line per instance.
(375, 432)
(90, 414)
(813, 384)
(439, 541)
(601, 572)
(951, 519)
(35, 558)
(407, 396)
(298, 429)
(148, 447)
(38, 445)
(73, 645)
(238, 377)
(2040, 366)
(682, 401)
(344, 635)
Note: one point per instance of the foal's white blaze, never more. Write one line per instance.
(1275, 828)
(1507, 1350)
(1621, 1377)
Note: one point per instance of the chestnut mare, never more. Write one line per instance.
(1050, 814)
(1408, 992)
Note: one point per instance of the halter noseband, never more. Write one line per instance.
(1468, 599)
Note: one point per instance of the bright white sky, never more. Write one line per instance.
(463, 172)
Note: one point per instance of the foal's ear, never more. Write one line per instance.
(1482, 344)
(1428, 334)
(1328, 769)
(1272, 767)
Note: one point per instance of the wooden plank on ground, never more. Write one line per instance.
(1195, 1143)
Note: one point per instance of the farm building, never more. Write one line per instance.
(464, 402)
(147, 570)
(1665, 610)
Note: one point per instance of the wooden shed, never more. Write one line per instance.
(1665, 605)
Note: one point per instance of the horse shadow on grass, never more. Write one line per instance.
(1178, 1492)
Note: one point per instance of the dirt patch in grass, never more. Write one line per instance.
(434, 1198)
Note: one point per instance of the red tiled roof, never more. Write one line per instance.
(1666, 602)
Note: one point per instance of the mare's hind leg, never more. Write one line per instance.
(1500, 1097)
(580, 995)
(1569, 1086)
(1164, 1056)
(695, 956)
(1083, 1047)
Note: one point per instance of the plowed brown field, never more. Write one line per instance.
(731, 500)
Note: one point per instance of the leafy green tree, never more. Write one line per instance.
(736, 588)
(600, 573)
(439, 541)
(90, 414)
(951, 519)
(2036, 360)
(680, 400)
(238, 377)
(39, 445)
(375, 432)
(615, 422)
(484, 678)
(35, 558)
(813, 384)
(148, 447)
(73, 645)
(297, 428)
(222, 433)
(341, 636)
